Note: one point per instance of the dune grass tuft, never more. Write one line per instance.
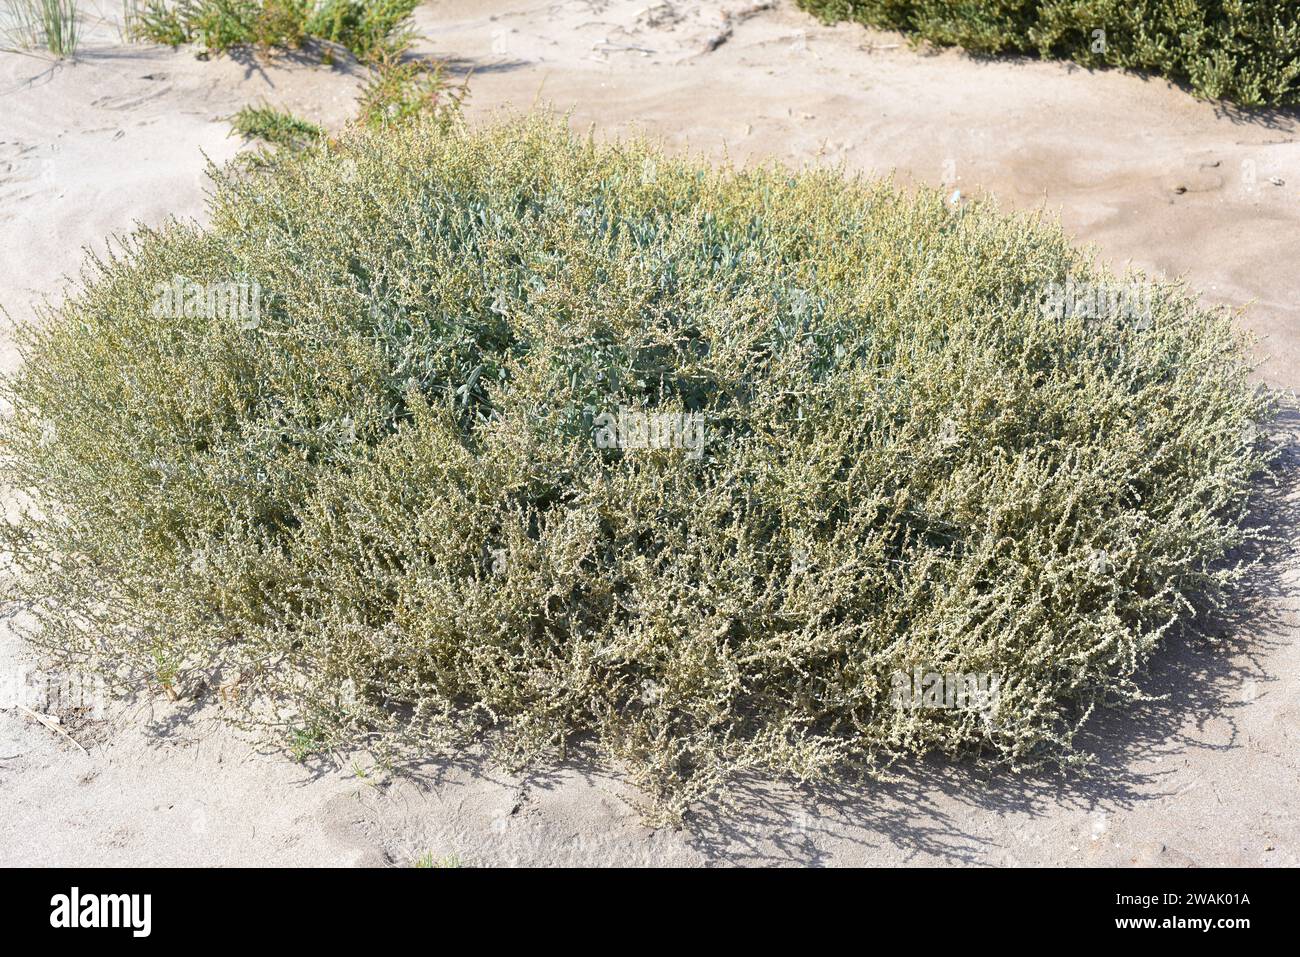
(54, 25)
(438, 436)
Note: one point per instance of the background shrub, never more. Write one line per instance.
(367, 28)
(275, 127)
(376, 512)
(400, 90)
(1242, 50)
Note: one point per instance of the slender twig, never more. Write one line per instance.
(49, 723)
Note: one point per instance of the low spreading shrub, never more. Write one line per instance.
(439, 436)
(397, 91)
(367, 28)
(1242, 50)
(270, 132)
(275, 127)
(401, 90)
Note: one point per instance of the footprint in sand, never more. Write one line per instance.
(128, 101)
(342, 819)
(15, 173)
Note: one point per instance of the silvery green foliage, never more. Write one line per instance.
(378, 513)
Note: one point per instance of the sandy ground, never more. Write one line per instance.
(1209, 775)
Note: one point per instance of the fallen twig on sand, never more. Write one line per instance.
(51, 724)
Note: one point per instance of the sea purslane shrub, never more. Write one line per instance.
(506, 435)
(1247, 51)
